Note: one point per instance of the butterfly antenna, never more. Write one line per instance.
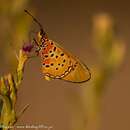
(33, 18)
(41, 28)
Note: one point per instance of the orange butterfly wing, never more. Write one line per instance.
(57, 63)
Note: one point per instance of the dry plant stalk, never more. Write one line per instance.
(17, 27)
(110, 52)
(9, 85)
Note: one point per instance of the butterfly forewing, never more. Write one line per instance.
(57, 63)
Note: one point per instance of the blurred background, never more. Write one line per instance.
(95, 31)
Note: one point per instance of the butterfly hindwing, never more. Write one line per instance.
(57, 63)
(81, 73)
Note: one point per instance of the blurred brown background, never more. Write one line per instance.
(69, 22)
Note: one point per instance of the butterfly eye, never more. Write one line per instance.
(41, 32)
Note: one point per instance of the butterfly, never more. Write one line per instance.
(57, 63)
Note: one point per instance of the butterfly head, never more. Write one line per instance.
(41, 37)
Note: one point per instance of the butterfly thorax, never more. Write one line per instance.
(45, 47)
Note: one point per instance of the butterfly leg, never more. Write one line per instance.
(37, 46)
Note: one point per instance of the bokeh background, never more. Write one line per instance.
(72, 24)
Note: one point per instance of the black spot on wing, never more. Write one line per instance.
(47, 66)
(52, 55)
(56, 56)
(52, 64)
(54, 49)
(62, 54)
(46, 56)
